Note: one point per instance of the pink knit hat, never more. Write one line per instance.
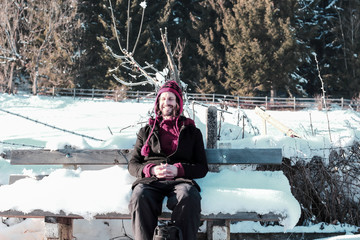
(170, 86)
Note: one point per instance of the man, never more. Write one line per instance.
(169, 153)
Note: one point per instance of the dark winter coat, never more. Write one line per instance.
(190, 153)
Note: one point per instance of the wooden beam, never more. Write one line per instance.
(288, 131)
(122, 156)
(216, 227)
(15, 177)
(244, 156)
(239, 216)
(58, 228)
(211, 127)
(71, 157)
(114, 156)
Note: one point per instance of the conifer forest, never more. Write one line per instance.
(239, 47)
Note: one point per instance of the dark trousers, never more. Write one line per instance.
(146, 205)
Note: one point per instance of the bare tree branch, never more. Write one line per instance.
(128, 27)
(178, 53)
(153, 77)
(130, 84)
(139, 33)
(115, 29)
(171, 62)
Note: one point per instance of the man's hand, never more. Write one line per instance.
(164, 171)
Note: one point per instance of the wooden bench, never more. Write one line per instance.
(59, 226)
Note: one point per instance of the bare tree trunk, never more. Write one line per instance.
(169, 54)
(273, 93)
(10, 84)
(343, 39)
(36, 74)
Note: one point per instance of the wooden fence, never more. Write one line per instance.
(229, 100)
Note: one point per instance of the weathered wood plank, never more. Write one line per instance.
(244, 156)
(122, 156)
(58, 228)
(240, 216)
(211, 127)
(70, 156)
(15, 177)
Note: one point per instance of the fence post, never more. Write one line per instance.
(58, 228)
(294, 104)
(266, 103)
(211, 127)
(243, 128)
(116, 95)
(53, 91)
(193, 109)
(342, 103)
(213, 98)
(74, 93)
(92, 93)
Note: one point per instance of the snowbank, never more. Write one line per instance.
(88, 193)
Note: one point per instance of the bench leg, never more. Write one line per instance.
(218, 230)
(58, 228)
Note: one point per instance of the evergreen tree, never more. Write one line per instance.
(261, 49)
(344, 60)
(91, 66)
(323, 44)
(330, 30)
(189, 23)
(211, 51)
(307, 30)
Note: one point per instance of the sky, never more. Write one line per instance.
(98, 190)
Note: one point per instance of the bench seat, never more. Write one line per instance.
(110, 157)
(240, 216)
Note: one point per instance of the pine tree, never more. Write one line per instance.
(261, 49)
(331, 30)
(307, 31)
(210, 63)
(343, 58)
(189, 23)
(94, 61)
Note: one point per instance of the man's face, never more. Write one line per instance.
(167, 104)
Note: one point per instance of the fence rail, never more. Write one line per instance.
(235, 101)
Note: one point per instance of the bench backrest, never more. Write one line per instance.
(122, 156)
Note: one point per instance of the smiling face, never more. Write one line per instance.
(168, 105)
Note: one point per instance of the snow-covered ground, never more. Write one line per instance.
(116, 124)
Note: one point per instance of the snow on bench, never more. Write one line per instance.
(229, 194)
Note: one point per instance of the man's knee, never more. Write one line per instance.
(188, 195)
(143, 197)
(188, 191)
(139, 196)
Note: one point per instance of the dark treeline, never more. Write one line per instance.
(241, 47)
